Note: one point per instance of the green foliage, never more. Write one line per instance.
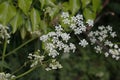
(35, 18)
(24, 5)
(27, 16)
(7, 12)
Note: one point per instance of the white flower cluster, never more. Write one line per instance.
(77, 25)
(56, 41)
(101, 37)
(36, 59)
(6, 76)
(54, 65)
(4, 33)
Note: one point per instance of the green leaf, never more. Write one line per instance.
(35, 18)
(43, 26)
(23, 32)
(24, 5)
(7, 12)
(52, 11)
(66, 6)
(96, 5)
(50, 3)
(85, 3)
(16, 22)
(28, 25)
(88, 14)
(42, 3)
(74, 5)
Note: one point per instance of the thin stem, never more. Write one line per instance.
(25, 73)
(11, 52)
(3, 54)
(21, 67)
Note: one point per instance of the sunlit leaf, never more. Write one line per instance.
(74, 5)
(35, 18)
(16, 22)
(7, 12)
(23, 32)
(96, 5)
(66, 6)
(85, 3)
(42, 3)
(24, 5)
(88, 14)
(28, 25)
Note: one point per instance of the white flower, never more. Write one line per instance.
(101, 27)
(55, 64)
(77, 30)
(65, 36)
(58, 28)
(50, 46)
(44, 38)
(90, 22)
(60, 45)
(6, 76)
(109, 28)
(73, 26)
(72, 47)
(79, 17)
(106, 54)
(36, 59)
(66, 49)
(53, 53)
(114, 51)
(98, 49)
(116, 46)
(73, 19)
(51, 34)
(66, 21)
(113, 34)
(83, 43)
(65, 15)
(47, 69)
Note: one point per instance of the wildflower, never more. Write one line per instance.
(83, 43)
(6, 76)
(90, 22)
(65, 15)
(36, 59)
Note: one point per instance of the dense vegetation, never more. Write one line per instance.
(27, 20)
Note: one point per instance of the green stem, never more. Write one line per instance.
(25, 73)
(11, 52)
(3, 54)
(20, 67)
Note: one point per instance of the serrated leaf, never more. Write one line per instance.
(16, 22)
(35, 18)
(85, 3)
(23, 32)
(74, 6)
(24, 5)
(96, 5)
(88, 14)
(7, 12)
